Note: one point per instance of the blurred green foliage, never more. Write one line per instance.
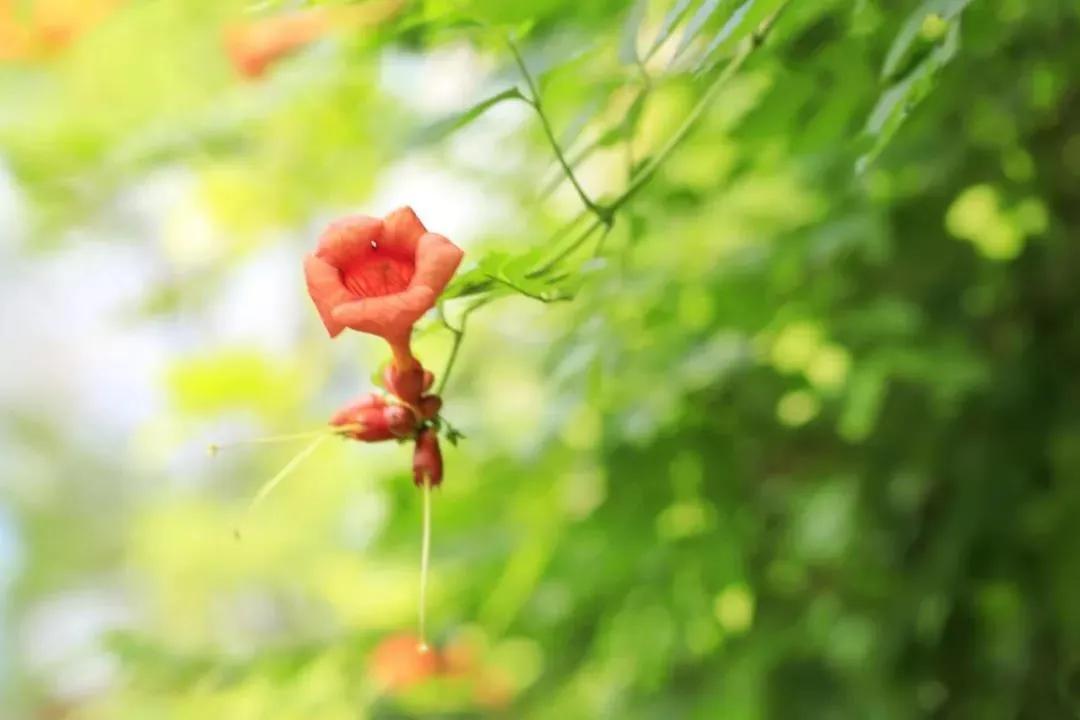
(797, 436)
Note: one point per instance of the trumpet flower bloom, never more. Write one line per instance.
(379, 276)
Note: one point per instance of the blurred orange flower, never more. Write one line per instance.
(252, 46)
(401, 660)
(45, 26)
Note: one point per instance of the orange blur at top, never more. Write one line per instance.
(35, 30)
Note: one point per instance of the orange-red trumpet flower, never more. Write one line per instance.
(379, 277)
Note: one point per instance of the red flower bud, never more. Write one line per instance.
(408, 383)
(429, 407)
(427, 459)
(374, 419)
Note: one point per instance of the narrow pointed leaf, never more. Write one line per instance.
(628, 53)
(742, 23)
(906, 42)
(443, 127)
(896, 103)
(671, 19)
(696, 24)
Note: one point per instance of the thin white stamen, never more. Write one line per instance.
(215, 448)
(269, 485)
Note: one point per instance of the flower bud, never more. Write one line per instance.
(400, 420)
(429, 407)
(427, 459)
(408, 384)
(372, 419)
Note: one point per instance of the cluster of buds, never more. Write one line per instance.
(375, 418)
(379, 276)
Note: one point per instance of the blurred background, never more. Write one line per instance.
(797, 436)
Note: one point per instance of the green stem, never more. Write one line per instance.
(425, 559)
(597, 142)
(602, 213)
(459, 335)
(605, 214)
(599, 249)
(568, 250)
(647, 172)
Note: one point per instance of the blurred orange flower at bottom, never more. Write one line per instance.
(493, 690)
(399, 661)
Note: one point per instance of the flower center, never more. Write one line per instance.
(379, 272)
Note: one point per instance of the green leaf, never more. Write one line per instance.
(514, 271)
(451, 433)
(517, 273)
(443, 127)
(467, 284)
(734, 23)
(863, 404)
(500, 270)
(894, 106)
(695, 26)
(742, 23)
(455, 21)
(672, 18)
(903, 51)
(628, 53)
(579, 122)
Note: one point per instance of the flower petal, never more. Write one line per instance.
(326, 290)
(349, 239)
(403, 230)
(388, 316)
(436, 261)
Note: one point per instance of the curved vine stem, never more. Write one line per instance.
(459, 335)
(602, 213)
(605, 213)
(568, 250)
(656, 161)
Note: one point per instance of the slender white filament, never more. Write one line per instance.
(322, 432)
(269, 485)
